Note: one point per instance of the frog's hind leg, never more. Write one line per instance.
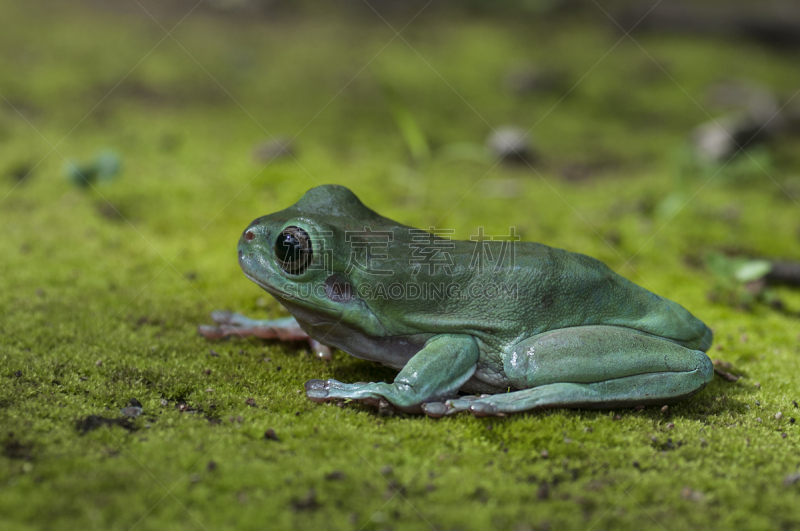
(595, 367)
(284, 329)
(630, 391)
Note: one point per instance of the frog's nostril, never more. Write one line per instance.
(249, 235)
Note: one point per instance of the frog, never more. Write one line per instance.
(489, 326)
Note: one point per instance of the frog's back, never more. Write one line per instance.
(564, 289)
(549, 289)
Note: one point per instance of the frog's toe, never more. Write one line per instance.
(317, 390)
(457, 405)
(321, 351)
(211, 331)
(482, 409)
(318, 395)
(435, 409)
(314, 385)
(222, 316)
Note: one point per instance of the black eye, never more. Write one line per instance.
(293, 250)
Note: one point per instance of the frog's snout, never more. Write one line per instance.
(248, 248)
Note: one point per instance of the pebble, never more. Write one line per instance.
(131, 411)
(719, 139)
(335, 475)
(276, 148)
(778, 415)
(522, 81)
(791, 479)
(693, 495)
(510, 143)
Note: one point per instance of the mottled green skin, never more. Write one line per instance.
(564, 318)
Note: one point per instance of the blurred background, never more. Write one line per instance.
(603, 127)
(140, 132)
(138, 138)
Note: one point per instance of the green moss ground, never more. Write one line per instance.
(96, 309)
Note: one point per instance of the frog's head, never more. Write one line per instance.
(302, 256)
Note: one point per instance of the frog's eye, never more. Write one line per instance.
(293, 250)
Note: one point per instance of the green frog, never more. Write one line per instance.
(490, 326)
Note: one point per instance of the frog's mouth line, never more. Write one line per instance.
(283, 296)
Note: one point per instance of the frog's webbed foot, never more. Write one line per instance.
(477, 405)
(434, 373)
(500, 405)
(285, 329)
(330, 390)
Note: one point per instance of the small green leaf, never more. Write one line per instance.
(409, 129)
(752, 270)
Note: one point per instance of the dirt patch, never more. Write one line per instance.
(13, 448)
(92, 422)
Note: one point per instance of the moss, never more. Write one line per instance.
(100, 308)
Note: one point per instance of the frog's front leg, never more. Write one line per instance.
(435, 373)
(595, 367)
(284, 329)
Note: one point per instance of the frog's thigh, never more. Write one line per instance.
(598, 367)
(588, 354)
(434, 373)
